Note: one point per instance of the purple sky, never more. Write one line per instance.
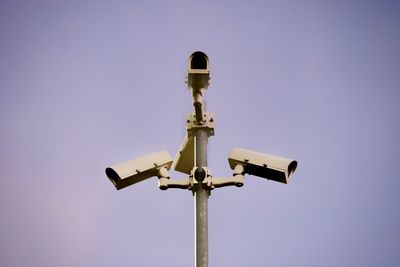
(85, 84)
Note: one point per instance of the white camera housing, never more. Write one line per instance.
(138, 169)
(263, 165)
(198, 71)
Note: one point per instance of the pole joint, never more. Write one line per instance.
(200, 177)
(207, 122)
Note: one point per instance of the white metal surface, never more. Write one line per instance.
(184, 159)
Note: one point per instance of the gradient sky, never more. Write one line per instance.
(86, 84)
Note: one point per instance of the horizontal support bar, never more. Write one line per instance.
(165, 183)
(236, 180)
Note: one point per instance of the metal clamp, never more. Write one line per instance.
(192, 124)
(200, 176)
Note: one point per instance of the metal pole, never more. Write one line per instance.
(201, 203)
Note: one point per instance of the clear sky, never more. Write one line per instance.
(86, 84)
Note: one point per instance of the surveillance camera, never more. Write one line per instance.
(138, 169)
(198, 71)
(263, 165)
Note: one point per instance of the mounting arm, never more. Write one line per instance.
(237, 179)
(164, 181)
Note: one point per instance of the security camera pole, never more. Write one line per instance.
(198, 77)
(191, 159)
